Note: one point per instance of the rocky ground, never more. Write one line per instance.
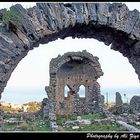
(86, 122)
(26, 123)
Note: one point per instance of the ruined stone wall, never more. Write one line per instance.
(44, 111)
(79, 105)
(135, 104)
(119, 101)
(112, 23)
(75, 69)
(1, 118)
(74, 75)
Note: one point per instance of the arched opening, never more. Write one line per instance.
(99, 33)
(66, 90)
(38, 65)
(81, 91)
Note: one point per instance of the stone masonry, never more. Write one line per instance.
(135, 104)
(111, 23)
(74, 69)
(45, 108)
(119, 101)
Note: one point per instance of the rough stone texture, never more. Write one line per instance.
(135, 104)
(105, 121)
(106, 113)
(74, 69)
(127, 126)
(77, 122)
(133, 107)
(45, 108)
(119, 101)
(120, 109)
(102, 100)
(1, 118)
(110, 23)
(54, 126)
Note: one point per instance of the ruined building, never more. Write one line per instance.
(135, 104)
(119, 101)
(111, 23)
(74, 69)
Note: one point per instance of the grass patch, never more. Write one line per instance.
(9, 127)
(34, 127)
(8, 117)
(63, 119)
(60, 120)
(109, 127)
(72, 117)
(137, 126)
(92, 116)
(37, 125)
(93, 127)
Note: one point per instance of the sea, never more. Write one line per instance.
(26, 94)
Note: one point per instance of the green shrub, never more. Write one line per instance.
(60, 120)
(72, 117)
(10, 16)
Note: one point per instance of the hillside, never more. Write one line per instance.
(19, 108)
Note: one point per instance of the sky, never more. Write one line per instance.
(33, 70)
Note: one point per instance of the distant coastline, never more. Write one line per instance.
(25, 95)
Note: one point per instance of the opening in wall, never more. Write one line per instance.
(81, 91)
(66, 90)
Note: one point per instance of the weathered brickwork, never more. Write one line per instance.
(111, 23)
(75, 69)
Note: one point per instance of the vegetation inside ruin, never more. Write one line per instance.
(41, 124)
(93, 116)
(91, 127)
(98, 127)
(34, 124)
(17, 120)
(137, 126)
(90, 116)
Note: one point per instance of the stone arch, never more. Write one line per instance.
(110, 23)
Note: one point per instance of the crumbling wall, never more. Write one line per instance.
(135, 104)
(111, 23)
(74, 69)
